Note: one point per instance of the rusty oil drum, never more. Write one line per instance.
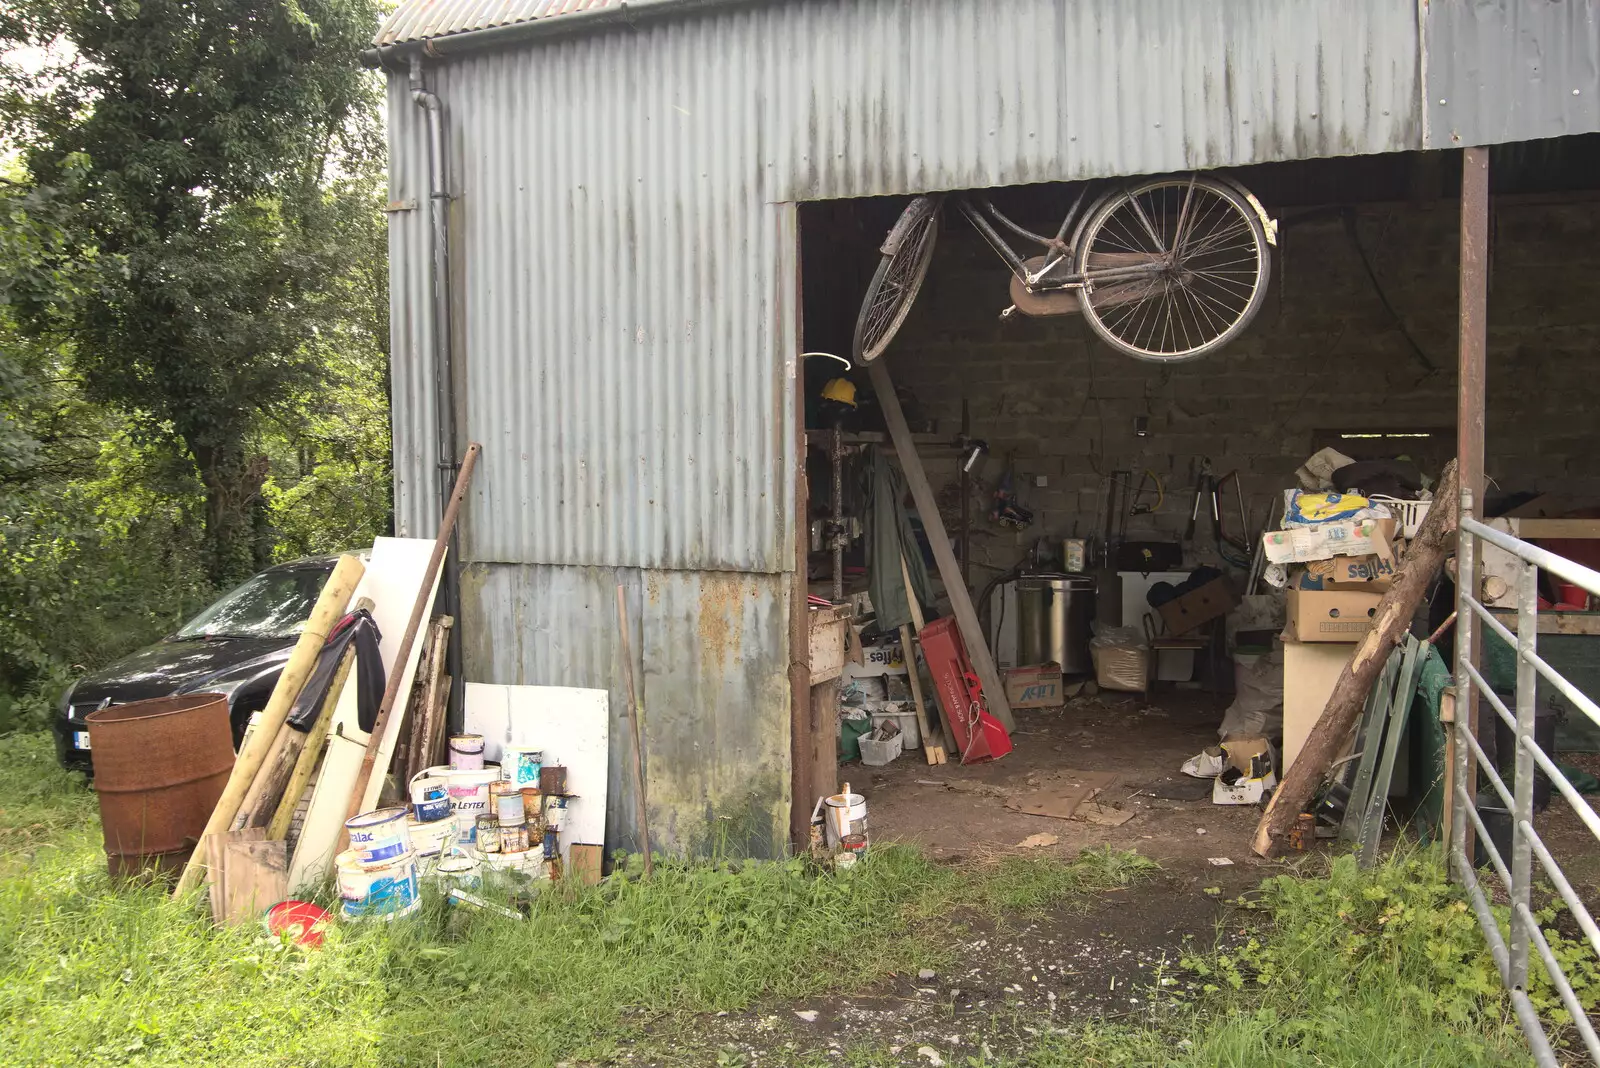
(159, 768)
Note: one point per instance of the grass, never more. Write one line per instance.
(91, 974)
(1341, 967)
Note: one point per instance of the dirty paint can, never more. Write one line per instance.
(845, 813)
(853, 843)
(845, 861)
(466, 752)
(553, 779)
(1303, 835)
(379, 836)
(488, 836)
(555, 812)
(458, 871)
(469, 798)
(522, 764)
(430, 839)
(530, 803)
(384, 892)
(552, 846)
(429, 799)
(513, 837)
(507, 801)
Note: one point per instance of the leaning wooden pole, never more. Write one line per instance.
(1423, 559)
(391, 690)
(328, 611)
(642, 809)
(949, 566)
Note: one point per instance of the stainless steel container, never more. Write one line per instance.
(1054, 611)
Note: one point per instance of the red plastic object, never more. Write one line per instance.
(302, 921)
(979, 735)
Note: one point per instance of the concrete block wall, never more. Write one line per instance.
(1324, 353)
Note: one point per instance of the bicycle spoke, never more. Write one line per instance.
(1145, 220)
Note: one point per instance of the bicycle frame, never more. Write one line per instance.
(983, 215)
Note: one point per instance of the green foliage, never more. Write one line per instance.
(206, 238)
(96, 975)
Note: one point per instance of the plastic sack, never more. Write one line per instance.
(1257, 709)
(1304, 509)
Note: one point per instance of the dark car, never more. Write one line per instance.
(236, 647)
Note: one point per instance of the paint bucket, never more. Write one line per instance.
(377, 893)
(513, 837)
(429, 799)
(552, 845)
(379, 836)
(522, 764)
(552, 779)
(845, 813)
(853, 843)
(555, 812)
(530, 803)
(428, 839)
(469, 798)
(458, 871)
(466, 752)
(507, 798)
(488, 836)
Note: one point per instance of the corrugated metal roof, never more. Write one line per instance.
(1511, 70)
(420, 20)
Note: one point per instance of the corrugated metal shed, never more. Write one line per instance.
(1511, 70)
(625, 295)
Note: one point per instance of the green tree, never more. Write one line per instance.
(202, 146)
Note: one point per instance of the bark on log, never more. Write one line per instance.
(1424, 557)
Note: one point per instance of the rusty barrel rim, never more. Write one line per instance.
(152, 708)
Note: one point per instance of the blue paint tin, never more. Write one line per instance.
(430, 800)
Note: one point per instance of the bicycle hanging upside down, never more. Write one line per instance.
(1164, 269)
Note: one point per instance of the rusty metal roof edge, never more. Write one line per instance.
(622, 12)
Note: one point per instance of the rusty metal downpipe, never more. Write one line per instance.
(159, 768)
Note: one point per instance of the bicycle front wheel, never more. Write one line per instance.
(906, 255)
(1173, 268)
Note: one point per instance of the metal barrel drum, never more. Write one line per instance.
(159, 768)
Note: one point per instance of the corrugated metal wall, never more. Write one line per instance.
(1511, 70)
(624, 252)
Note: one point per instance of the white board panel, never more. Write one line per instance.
(572, 726)
(395, 569)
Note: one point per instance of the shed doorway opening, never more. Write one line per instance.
(1058, 462)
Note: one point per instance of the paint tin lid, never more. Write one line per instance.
(300, 921)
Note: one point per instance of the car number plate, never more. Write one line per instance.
(80, 739)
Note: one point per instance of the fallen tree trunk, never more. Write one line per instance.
(1424, 557)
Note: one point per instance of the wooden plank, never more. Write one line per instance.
(917, 621)
(1550, 622)
(824, 755)
(1529, 529)
(949, 568)
(256, 874)
(585, 864)
(932, 750)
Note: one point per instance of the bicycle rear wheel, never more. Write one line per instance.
(906, 254)
(1173, 268)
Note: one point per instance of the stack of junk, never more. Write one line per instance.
(1324, 569)
(346, 774)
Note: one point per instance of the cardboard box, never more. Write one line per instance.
(1358, 574)
(1324, 541)
(886, 658)
(1034, 687)
(1330, 615)
(1215, 598)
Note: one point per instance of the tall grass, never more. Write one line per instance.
(92, 974)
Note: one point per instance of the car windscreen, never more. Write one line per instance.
(273, 604)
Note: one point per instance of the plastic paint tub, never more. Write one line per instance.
(429, 799)
(458, 871)
(379, 836)
(522, 764)
(507, 798)
(469, 798)
(377, 893)
(428, 839)
(466, 752)
(845, 814)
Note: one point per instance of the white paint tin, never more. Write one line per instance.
(466, 752)
(844, 814)
(521, 764)
(469, 798)
(429, 839)
(379, 836)
(384, 892)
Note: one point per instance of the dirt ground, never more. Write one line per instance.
(953, 811)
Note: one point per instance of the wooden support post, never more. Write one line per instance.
(949, 568)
